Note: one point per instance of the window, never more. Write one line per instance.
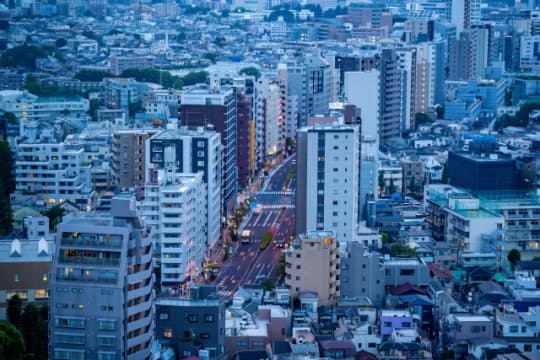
(105, 324)
(372, 345)
(16, 277)
(106, 355)
(45, 276)
(69, 322)
(106, 340)
(514, 329)
(107, 291)
(406, 325)
(163, 316)
(77, 290)
(75, 339)
(41, 294)
(64, 354)
(387, 324)
(168, 333)
(241, 343)
(208, 318)
(406, 272)
(193, 318)
(106, 308)
(257, 343)
(204, 335)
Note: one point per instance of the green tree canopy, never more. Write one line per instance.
(422, 119)
(514, 256)
(55, 215)
(286, 14)
(196, 77)
(60, 42)
(24, 56)
(92, 75)
(11, 342)
(250, 71)
(14, 311)
(401, 250)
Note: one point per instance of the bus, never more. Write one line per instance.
(245, 236)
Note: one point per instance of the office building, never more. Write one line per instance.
(327, 178)
(193, 325)
(480, 173)
(101, 286)
(245, 126)
(407, 64)
(459, 62)
(128, 163)
(464, 13)
(310, 260)
(194, 151)
(480, 42)
(202, 106)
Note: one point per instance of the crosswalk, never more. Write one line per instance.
(278, 206)
(277, 193)
(224, 293)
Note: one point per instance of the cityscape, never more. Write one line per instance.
(269, 180)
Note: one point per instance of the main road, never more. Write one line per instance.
(248, 263)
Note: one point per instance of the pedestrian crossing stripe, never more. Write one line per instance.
(288, 206)
(277, 193)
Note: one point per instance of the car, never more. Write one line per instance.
(260, 277)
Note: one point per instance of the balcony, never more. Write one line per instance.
(83, 241)
(110, 262)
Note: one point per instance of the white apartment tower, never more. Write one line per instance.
(327, 176)
(194, 151)
(176, 207)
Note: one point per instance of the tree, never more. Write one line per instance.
(60, 42)
(444, 177)
(514, 256)
(23, 56)
(7, 186)
(211, 56)
(251, 71)
(440, 111)
(93, 108)
(536, 258)
(381, 181)
(135, 107)
(92, 75)
(196, 77)
(392, 187)
(14, 311)
(268, 285)
(11, 342)
(55, 216)
(30, 328)
(11, 118)
(385, 237)
(400, 250)
(285, 14)
(422, 119)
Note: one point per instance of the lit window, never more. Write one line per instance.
(45, 277)
(16, 277)
(167, 333)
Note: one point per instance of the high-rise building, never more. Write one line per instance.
(464, 13)
(176, 207)
(480, 36)
(313, 266)
(407, 64)
(101, 286)
(362, 90)
(309, 85)
(459, 57)
(529, 53)
(392, 105)
(128, 163)
(194, 151)
(430, 75)
(202, 106)
(327, 178)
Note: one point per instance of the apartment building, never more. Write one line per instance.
(201, 107)
(191, 151)
(120, 63)
(176, 207)
(128, 163)
(327, 165)
(198, 320)
(312, 265)
(101, 286)
(52, 173)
